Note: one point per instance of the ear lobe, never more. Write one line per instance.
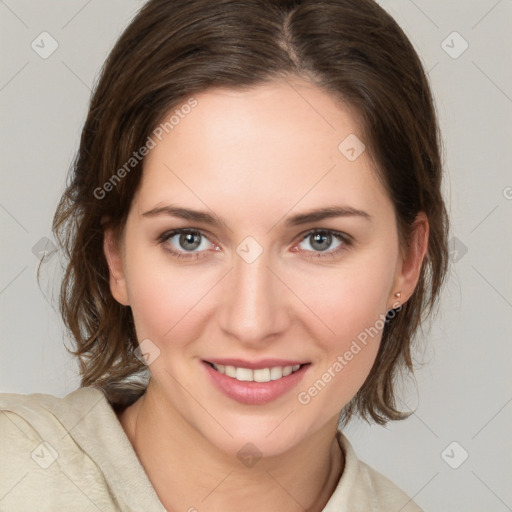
(412, 258)
(113, 255)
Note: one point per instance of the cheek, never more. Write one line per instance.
(342, 303)
(165, 299)
(354, 311)
(347, 354)
(351, 308)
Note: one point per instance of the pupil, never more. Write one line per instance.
(188, 238)
(318, 237)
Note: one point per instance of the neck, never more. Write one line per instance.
(188, 473)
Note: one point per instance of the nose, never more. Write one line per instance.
(255, 306)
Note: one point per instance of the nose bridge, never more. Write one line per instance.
(254, 305)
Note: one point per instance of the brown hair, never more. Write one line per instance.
(175, 48)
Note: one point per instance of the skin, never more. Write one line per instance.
(254, 158)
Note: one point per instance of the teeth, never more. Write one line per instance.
(230, 371)
(260, 375)
(244, 374)
(276, 373)
(287, 370)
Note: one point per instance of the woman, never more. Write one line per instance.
(255, 231)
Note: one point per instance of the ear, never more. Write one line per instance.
(114, 256)
(409, 266)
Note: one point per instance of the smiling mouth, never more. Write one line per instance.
(259, 375)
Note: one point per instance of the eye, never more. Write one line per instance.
(191, 243)
(324, 242)
(179, 242)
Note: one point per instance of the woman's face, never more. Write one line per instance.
(258, 281)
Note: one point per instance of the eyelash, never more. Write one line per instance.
(343, 237)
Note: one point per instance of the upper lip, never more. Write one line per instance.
(255, 365)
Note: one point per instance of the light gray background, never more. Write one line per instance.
(463, 391)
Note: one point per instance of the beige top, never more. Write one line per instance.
(71, 453)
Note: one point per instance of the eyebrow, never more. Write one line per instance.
(307, 217)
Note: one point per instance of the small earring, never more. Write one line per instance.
(398, 295)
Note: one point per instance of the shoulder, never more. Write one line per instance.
(41, 461)
(69, 453)
(363, 489)
(36, 416)
(386, 491)
(40, 417)
(41, 401)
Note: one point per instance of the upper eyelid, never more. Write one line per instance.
(305, 234)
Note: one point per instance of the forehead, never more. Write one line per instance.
(272, 145)
(257, 128)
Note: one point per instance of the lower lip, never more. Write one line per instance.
(254, 393)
